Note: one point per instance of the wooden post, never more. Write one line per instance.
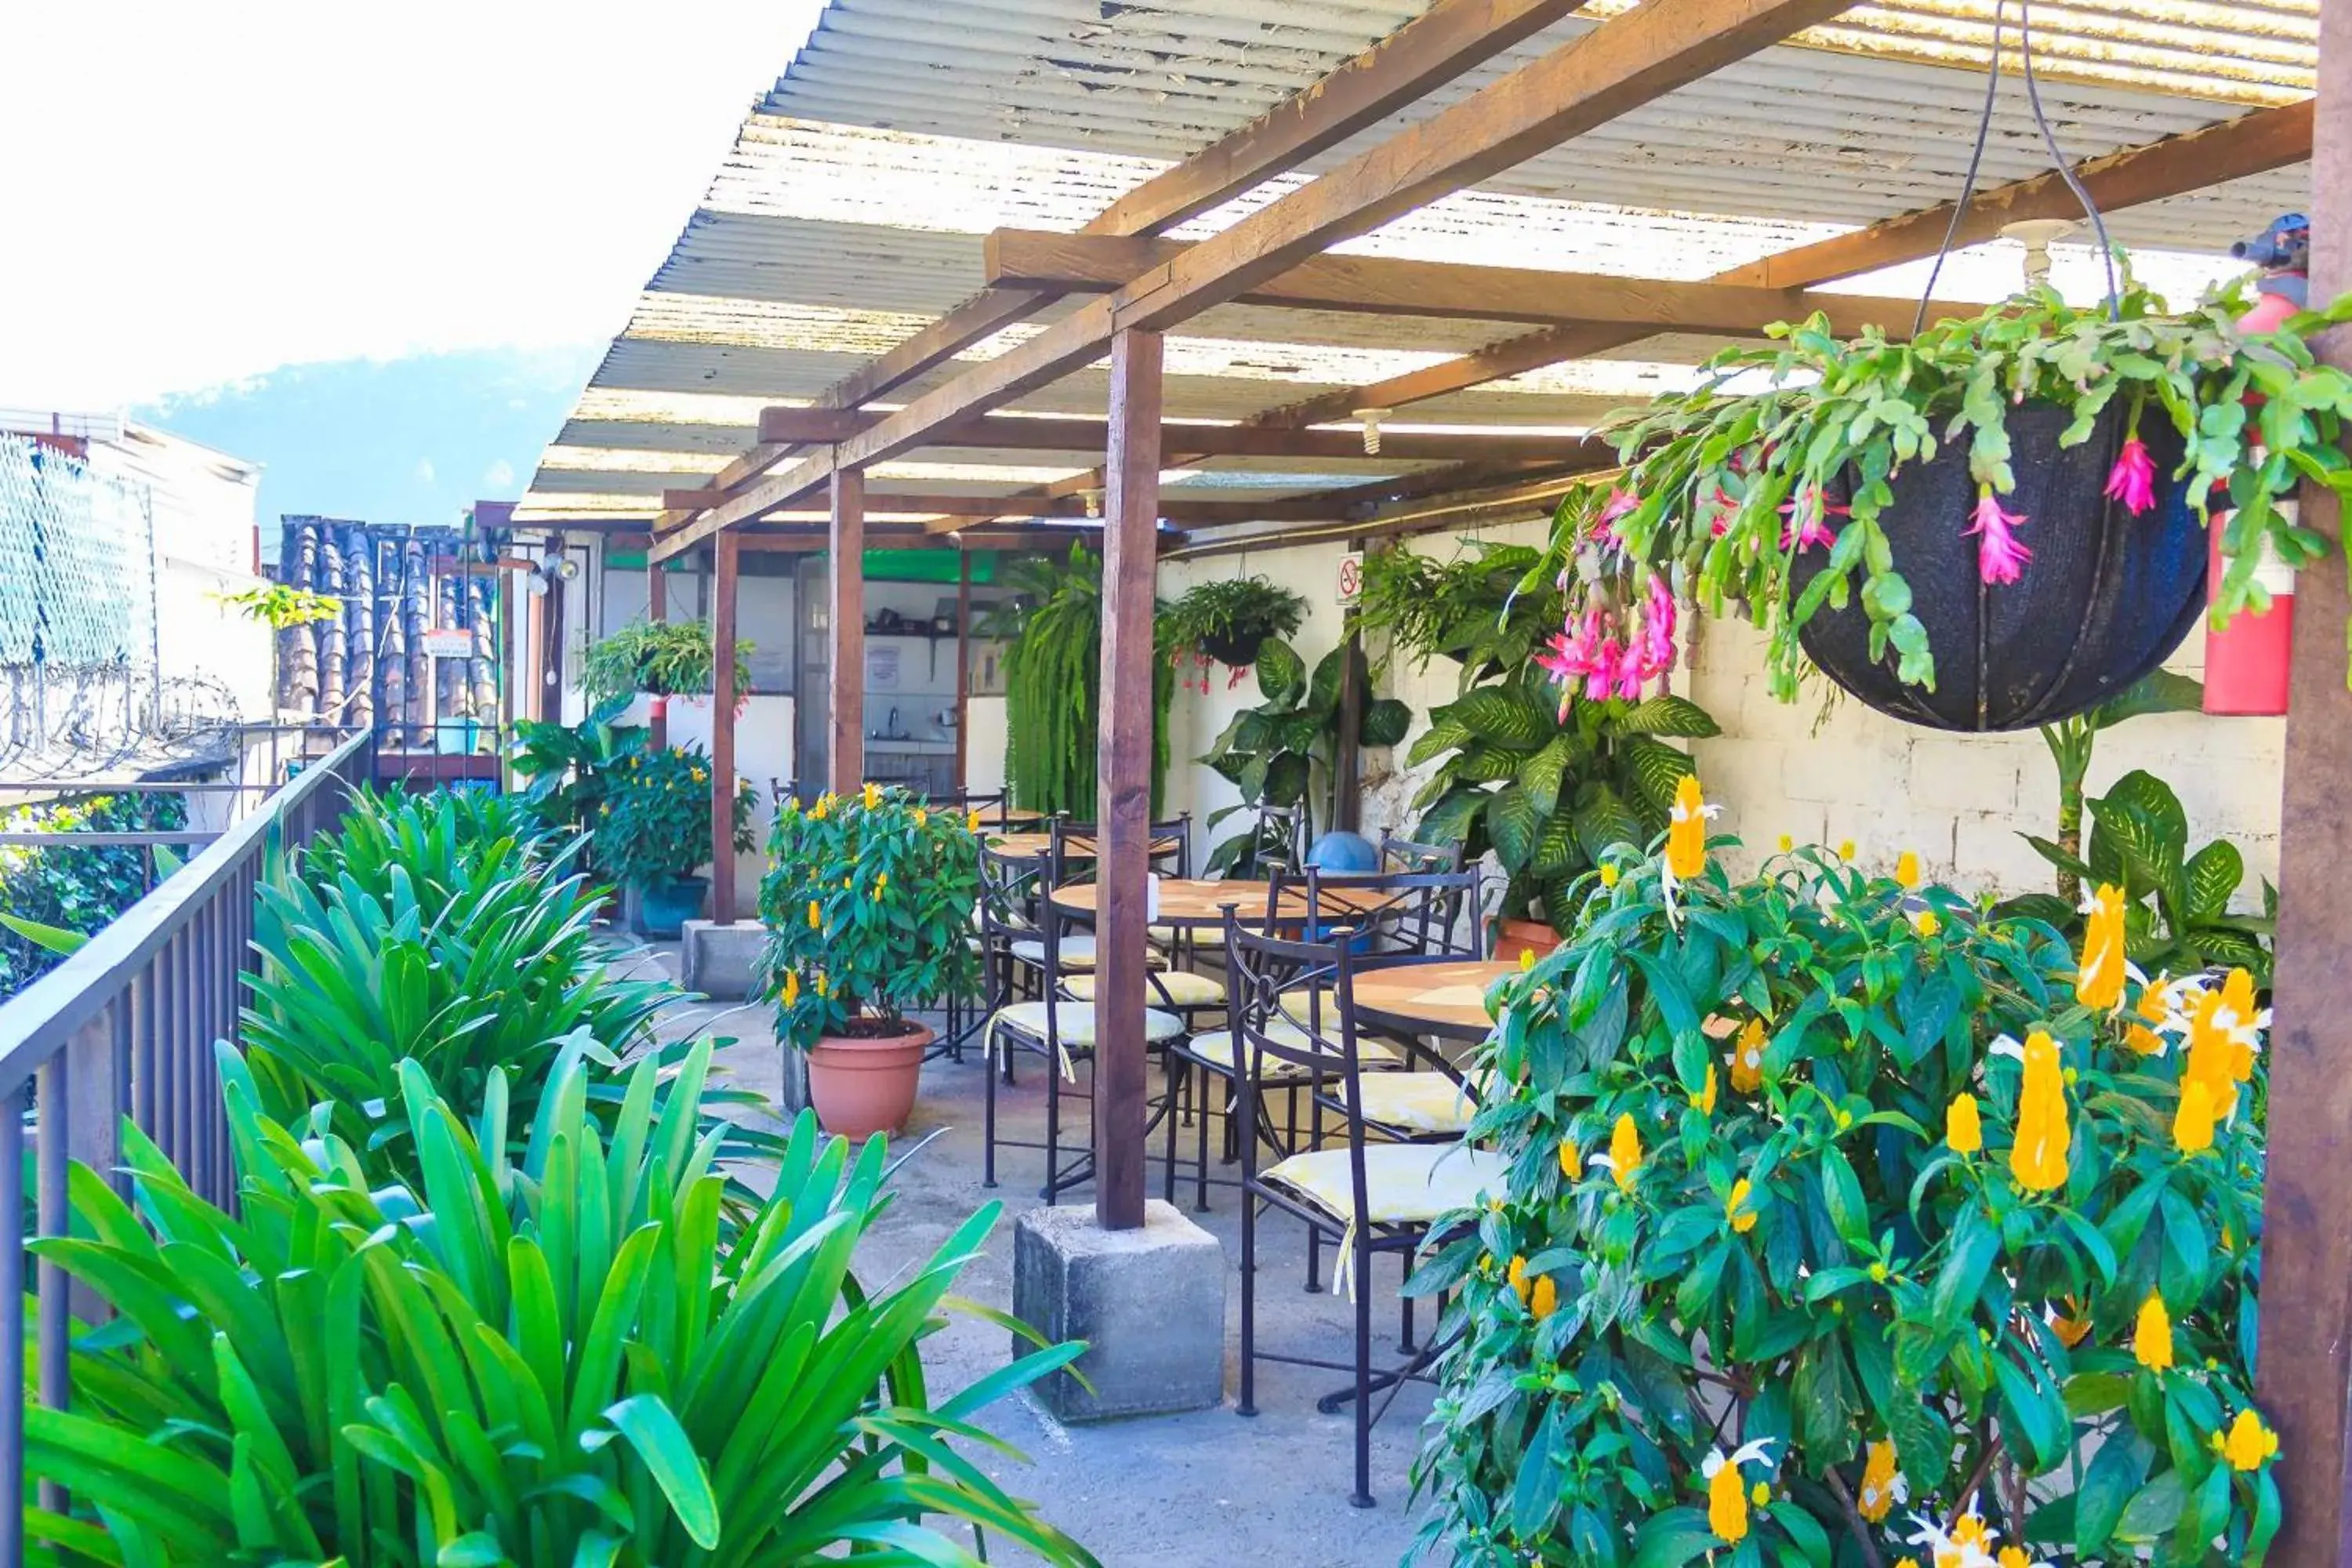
(657, 612)
(1347, 764)
(2306, 1370)
(846, 558)
(963, 672)
(724, 571)
(1123, 775)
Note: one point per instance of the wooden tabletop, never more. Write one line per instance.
(1448, 998)
(1195, 903)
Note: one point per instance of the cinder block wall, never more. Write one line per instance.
(1824, 769)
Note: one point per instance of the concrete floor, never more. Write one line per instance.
(1207, 1489)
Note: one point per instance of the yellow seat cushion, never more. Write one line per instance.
(1404, 1183)
(1216, 1048)
(1184, 988)
(1416, 1101)
(1075, 952)
(1075, 1022)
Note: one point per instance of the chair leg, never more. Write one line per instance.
(1176, 1073)
(1053, 1127)
(1405, 1345)
(1247, 1403)
(988, 1124)
(1201, 1090)
(1362, 1496)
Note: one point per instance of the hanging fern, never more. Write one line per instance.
(1053, 686)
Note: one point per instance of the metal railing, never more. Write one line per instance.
(126, 1027)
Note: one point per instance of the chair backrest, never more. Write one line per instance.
(1281, 838)
(1170, 853)
(1387, 917)
(991, 804)
(1404, 854)
(1293, 1002)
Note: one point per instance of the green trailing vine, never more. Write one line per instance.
(1053, 685)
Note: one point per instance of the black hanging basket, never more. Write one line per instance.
(1236, 648)
(2106, 600)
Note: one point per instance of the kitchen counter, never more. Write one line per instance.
(907, 746)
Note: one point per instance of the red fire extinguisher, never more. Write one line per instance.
(2246, 661)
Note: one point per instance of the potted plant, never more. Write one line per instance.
(868, 904)
(661, 658)
(653, 830)
(1225, 621)
(1281, 753)
(1472, 609)
(570, 768)
(1995, 525)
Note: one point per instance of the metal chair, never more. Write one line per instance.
(1021, 937)
(1377, 1194)
(1392, 916)
(1405, 854)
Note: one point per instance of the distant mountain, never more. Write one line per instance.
(409, 440)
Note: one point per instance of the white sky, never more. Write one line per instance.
(204, 191)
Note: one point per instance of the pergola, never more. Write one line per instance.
(1476, 225)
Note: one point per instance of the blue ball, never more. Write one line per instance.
(1344, 852)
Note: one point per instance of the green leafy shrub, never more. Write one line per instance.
(432, 930)
(1548, 786)
(1284, 751)
(71, 889)
(654, 825)
(1053, 685)
(668, 658)
(570, 768)
(868, 903)
(2178, 903)
(1478, 608)
(549, 1360)
(1227, 620)
(1790, 1235)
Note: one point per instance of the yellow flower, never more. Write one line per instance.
(1544, 1300)
(698, 776)
(1963, 1130)
(1703, 1101)
(1736, 1209)
(815, 919)
(971, 824)
(2039, 1158)
(1906, 868)
(1727, 1493)
(1747, 1058)
(921, 817)
(1760, 1493)
(1526, 959)
(1568, 1158)
(881, 881)
(824, 804)
(1610, 875)
(820, 983)
(1787, 844)
(792, 989)
(2152, 1335)
(2155, 1007)
(2192, 1124)
(1518, 1277)
(1845, 849)
(2099, 981)
(1686, 830)
(1882, 1484)
(1624, 1152)
(2250, 1444)
(873, 796)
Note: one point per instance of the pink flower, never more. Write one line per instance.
(1601, 675)
(1657, 638)
(2133, 478)
(1629, 673)
(1814, 528)
(1621, 502)
(1999, 557)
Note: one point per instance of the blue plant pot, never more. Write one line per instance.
(664, 908)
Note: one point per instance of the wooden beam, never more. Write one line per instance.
(846, 632)
(726, 568)
(1016, 432)
(657, 612)
(953, 513)
(2250, 144)
(1123, 777)
(1387, 285)
(2306, 1370)
(1627, 61)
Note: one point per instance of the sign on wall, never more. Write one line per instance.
(446, 642)
(1351, 577)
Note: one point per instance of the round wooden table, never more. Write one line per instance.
(1447, 999)
(1075, 845)
(1185, 902)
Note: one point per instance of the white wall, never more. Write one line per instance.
(1821, 770)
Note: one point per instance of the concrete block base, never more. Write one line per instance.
(721, 960)
(1150, 1303)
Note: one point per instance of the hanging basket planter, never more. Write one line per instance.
(2107, 596)
(1235, 648)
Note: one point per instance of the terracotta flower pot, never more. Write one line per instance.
(1513, 938)
(864, 1084)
